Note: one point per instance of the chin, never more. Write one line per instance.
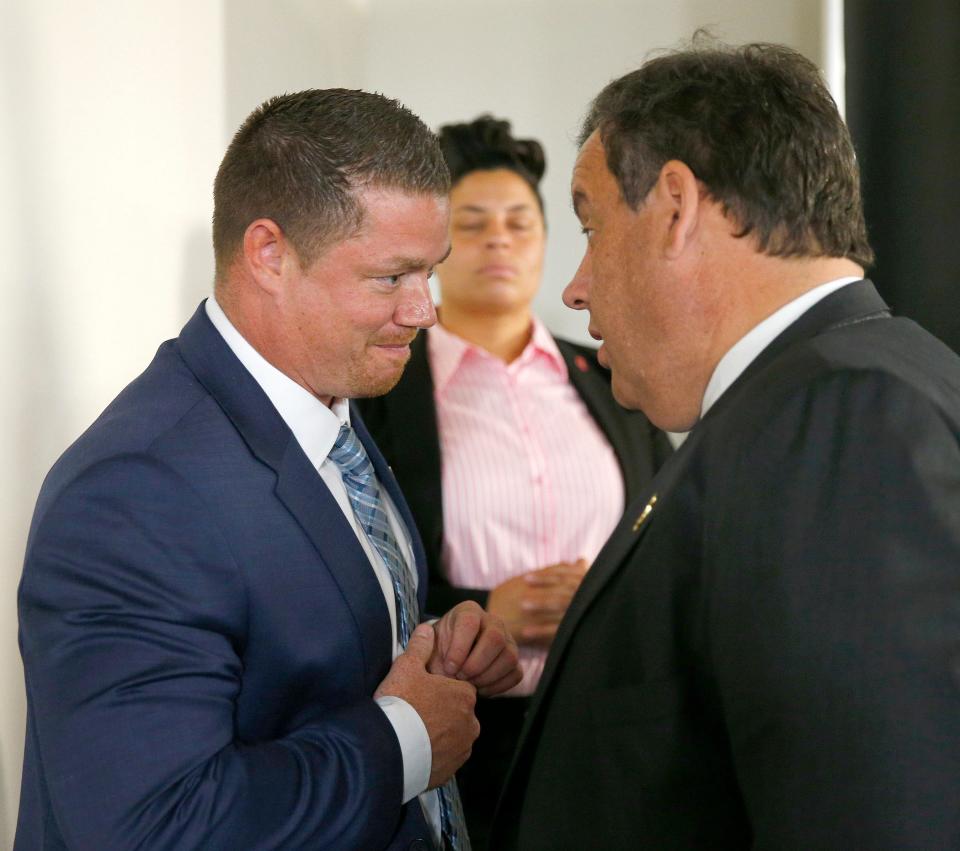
(379, 385)
(625, 399)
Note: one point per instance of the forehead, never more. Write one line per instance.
(592, 184)
(491, 187)
(396, 224)
(391, 215)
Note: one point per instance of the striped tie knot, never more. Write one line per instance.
(348, 454)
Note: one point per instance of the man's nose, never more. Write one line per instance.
(575, 294)
(416, 308)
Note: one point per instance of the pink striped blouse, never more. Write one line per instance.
(528, 477)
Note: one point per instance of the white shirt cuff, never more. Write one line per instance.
(414, 744)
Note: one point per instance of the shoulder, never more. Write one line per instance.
(146, 411)
(825, 408)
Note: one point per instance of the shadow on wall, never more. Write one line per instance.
(35, 367)
(197, 275)
(7, 819)
(301, 44)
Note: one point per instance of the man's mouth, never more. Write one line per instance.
(396, 344)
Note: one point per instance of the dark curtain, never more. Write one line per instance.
(903, 109)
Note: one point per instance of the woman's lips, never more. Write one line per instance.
(498, 270)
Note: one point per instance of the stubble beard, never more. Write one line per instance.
(366, 383)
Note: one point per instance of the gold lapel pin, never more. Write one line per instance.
(645, 513)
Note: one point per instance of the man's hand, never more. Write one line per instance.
(533, 604)
(444, 705)
(475, 646)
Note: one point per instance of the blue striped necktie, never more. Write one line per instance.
(363, 489)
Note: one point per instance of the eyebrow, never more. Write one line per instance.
(474, 208)
(411, 264)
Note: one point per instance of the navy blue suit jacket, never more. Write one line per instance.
(202, 633)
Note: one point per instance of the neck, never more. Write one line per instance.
(764, 285)
(769, 283)
(249, 317)
(504, 336)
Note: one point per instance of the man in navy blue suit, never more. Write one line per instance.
(222, 577)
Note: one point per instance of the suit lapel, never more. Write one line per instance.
(389, 483)
(639, 516)
(299, 486)
(307, 498)
(415, 452)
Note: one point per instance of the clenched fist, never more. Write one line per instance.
(445, 705)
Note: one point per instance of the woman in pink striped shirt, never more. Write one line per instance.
(514, 457)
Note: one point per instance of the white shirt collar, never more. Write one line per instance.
(742, 353)
(314, 425)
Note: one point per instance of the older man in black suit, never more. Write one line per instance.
(767, 652)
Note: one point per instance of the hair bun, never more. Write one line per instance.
(487, 143)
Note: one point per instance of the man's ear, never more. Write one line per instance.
(267, 254)
(678, 190)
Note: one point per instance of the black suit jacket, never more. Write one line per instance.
(404, 425)
(767, 654)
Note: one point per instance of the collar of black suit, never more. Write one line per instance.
(856, 302)
(417, 459)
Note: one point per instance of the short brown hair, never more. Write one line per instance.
(299, 159)
(760, 131)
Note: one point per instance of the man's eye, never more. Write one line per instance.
(468, 226)
(587, 232)
(390, 280)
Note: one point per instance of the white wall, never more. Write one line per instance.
(114, 115)
(113, 121)
(538, 63)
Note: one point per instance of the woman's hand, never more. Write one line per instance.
(532, 604)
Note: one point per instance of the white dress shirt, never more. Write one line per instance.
(315, 427)
(742, 353)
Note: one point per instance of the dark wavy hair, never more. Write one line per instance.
(486, 143)
(300, 159)
(760, 131)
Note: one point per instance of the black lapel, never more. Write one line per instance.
(415, 447)
(299, 486)
(629, 433)
(639, 516)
